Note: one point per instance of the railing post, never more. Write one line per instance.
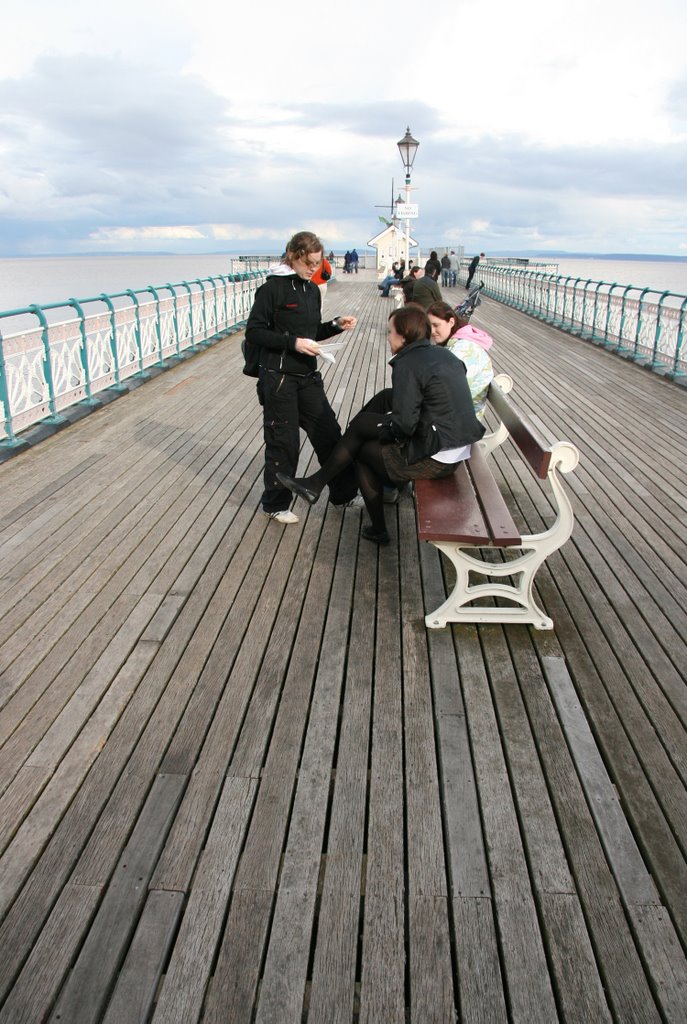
(172, 289)
(204, 340)
(639, 321)
(595, 309)
(193, 346)
(83, 352)
(678, 340)
(139, 342)
(118, 386)
(158, 326)
(54, 416)
(10, 440)
(621, 330)
(657, 331)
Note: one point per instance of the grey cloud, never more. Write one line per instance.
(381, 119)
(595, 170)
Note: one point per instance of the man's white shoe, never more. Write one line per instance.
(286, 516)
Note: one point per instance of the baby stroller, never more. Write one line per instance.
(469, 304)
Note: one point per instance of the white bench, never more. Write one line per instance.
(465, 513)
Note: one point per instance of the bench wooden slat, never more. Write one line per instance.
(533, 447)
(502, 530)
(448, 509)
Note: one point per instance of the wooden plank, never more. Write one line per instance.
(42, 821)
(136, 988)
(448, 509)
(286, 965)
(232, 991)
(333, 984)
(533, 448)
(84, 996)
(625, 983)
(181, 997)
(382, 983)
(526, 975)
(432, 993)
(235, 983)
(502, 530)
(480, 984)
(49, 960)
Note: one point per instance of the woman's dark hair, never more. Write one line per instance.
(411, 322)
(444, 312)
(303, 243)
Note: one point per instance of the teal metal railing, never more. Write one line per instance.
(645, 325)
(48, 366)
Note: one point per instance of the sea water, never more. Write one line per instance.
(51, 279)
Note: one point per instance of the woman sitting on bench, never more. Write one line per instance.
(470, 344)
(428, 430)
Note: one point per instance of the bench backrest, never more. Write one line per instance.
(534, 448)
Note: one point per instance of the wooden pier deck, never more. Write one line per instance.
(239, 780)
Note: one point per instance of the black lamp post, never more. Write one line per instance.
(408, 147)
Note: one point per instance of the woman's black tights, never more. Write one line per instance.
(359, 444)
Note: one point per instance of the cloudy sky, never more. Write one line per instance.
(164, 125)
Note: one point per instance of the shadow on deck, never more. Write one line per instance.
(241, 782)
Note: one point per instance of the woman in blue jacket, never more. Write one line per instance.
(428, 428)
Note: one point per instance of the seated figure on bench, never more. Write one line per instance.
(468, 343)
(394, 277)
(428, 431)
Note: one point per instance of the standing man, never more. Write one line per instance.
(354, 261)
(285, 325)
(474, 263)
(445, 270)
(455, 264)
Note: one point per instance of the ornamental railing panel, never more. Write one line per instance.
(642, 324)
(51, 359)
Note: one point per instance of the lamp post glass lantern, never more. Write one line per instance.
(408, 147)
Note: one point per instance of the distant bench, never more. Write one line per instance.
(466, 512)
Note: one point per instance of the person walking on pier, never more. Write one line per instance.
(474, 263)
(285, 325)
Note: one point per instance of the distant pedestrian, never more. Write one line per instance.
(433, 266)
(474, 263)
(455, 266)
(445, 270)
(347, 262)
